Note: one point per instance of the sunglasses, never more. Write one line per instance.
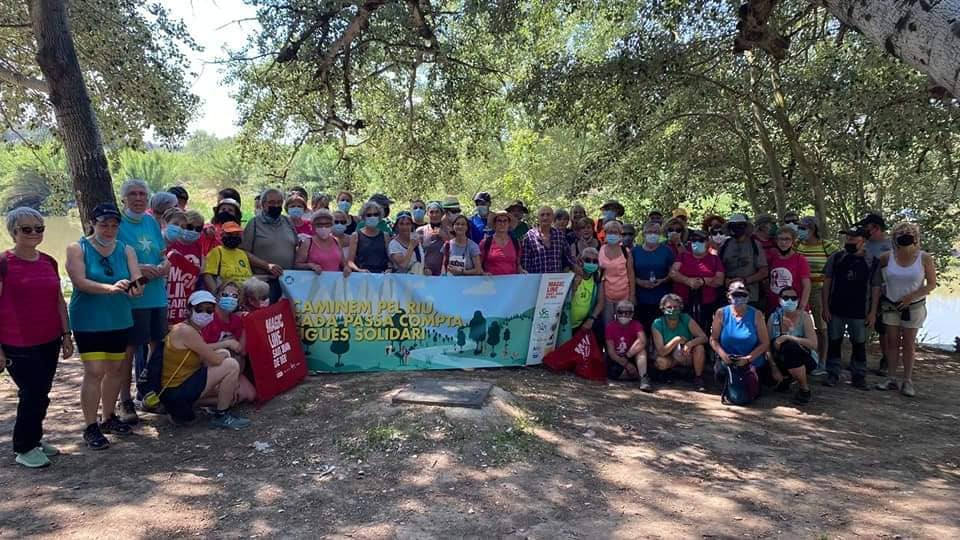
(593, 261)
(339, 222)
(27, 229)
(740, 295)
(107, 267)
(674, 230)
(371, 215)
(792, 221)
(790, 297)
(195, 228)
(201, 309)
(802, 229)
(630, 313)
(629, 234)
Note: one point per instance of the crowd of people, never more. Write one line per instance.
(772, 297)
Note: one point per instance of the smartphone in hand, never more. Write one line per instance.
(139, 282)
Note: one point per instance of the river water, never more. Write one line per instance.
(941, 327)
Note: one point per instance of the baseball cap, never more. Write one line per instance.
(872, 219)
(763, 219)
(180, 192)
(681, 212)
(231, 202)
(738, 218)
(381, 199)
(105, 211)
(231, 227)
(856, 231)
(482, 196)
(201, 297)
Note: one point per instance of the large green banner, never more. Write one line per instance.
(384, 322)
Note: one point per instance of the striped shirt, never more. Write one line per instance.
(817, 255)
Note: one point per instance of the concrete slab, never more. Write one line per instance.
(445, 393)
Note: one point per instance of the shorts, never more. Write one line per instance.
(110, 345)
(916, 313)
(149, 326)
(816, 309)
(178, 401)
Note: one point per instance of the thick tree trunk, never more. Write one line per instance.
(769, 153)
(924, 34)
(749, 178)
(76, 120)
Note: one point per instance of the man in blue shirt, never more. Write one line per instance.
(478, 222)
(142, 232)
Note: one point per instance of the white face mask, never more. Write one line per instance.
(624, 320)
(201, 319)
(265, 303)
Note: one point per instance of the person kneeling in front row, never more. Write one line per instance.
(196, 374)
(679, 340)
(627, 347)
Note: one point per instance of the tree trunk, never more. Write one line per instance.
(769, 154)
(749, 179)
(924, 34)
(77, 123)
(799, 153)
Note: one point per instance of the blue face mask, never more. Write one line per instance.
(371, 221)
(296, 212)
(651, 239)
(173, 233)
(228, 304)
(133, 215)
(609, 215)
(590, 268)
(802, 234)
(344, 206)
(740, 300)
(482, 211)
(418, 214)
(789, 305)
(613, 238)
(339, 228)
(189, 237)
(698, 247)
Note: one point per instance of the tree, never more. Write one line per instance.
(506, 339)
(478, 331)
(397, 320)
(461, 339)
(493, 337)
(341, 345)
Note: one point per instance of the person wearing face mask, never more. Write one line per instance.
(385, 224)
(791, 218)
(160, 202)
(626, 348)
(183, 234)
(344, 204)
(616, 267)
(105, 274)
(678, 340)
(816, 250)
(255, 295)
(370, 247)
(270, 241)
(587, 290)
(877, 244)
(628, 236)
(610, 211)
(739, 334)
(793, 346)
(341, 221)
(478, 221)
(788, 269)
(908, 276)
(743, 258)
(849, 286)
(677, 236)
(712, 222)
(651, 269)
(655, 216)
(320, 251)
(716, 238)
(196, 374)
(142, 232)
(227, 262)
(182, 283)
(320, 200)
(696, 274)
(418, 211)
(227, 209)
(405, 251)
(296, 209)
(225, 331)
(434, 235)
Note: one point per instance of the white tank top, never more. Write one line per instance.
(903, 280)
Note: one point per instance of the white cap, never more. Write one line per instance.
(201, 297)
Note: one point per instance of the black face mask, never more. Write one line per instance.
(223, 217)
(850, 248)
(273, 212)
(738, 230)
(905, 240)
(231, 242)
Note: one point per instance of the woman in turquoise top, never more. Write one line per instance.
(739, 334)
(793, 346)
(105, 275)
(679, 340)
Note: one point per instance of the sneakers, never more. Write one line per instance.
(784, 385)
(889, 384)
(645, 384)
(882, 368)
(699, 385)
(159, 409)
(116, 426)
(831, 380)
(820, 371)
(48, 449)
(33, 459)
(802, 397)
(94, 438)
(907, 388)
(227, 420)
(128, 413)
(860, 383)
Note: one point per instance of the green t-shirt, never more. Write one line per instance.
(682, 329)
(582, 302)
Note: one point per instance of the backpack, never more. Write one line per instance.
(738, 385)
(489, 240)
(753, 244)
(7, 254)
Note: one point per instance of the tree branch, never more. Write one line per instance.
(19, 79)
(353, 30)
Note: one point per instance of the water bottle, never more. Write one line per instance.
(653, 278)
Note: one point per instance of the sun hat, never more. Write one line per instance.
(517, 204)
(613, 205)
(492, 218)
(450, 203)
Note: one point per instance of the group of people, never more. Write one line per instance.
(772, 296)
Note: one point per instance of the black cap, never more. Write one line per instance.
(694, 233)
(180, 192)
(517, 204)
(381, 199)
(856, 231)
(105, 211)
(482, 196)
(872, 219)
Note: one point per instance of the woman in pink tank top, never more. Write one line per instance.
(321, 252)
(617, 267)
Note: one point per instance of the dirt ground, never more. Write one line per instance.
(550, 457)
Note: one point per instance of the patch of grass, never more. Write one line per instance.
(299, 408)
(377, 437)
(515, 443)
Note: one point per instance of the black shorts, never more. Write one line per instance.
(149, 325)
(179, 400)
(110, 345)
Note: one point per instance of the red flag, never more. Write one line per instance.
(180, 285)
(276, 355)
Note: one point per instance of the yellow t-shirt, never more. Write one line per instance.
(580, 303)
(228, 264)
(178, 365)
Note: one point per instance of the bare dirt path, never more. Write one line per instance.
(551, 457)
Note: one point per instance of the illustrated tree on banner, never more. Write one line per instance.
(478, 331)
(461, 339)
(493, 338)
(341, 345)
(506, 339)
